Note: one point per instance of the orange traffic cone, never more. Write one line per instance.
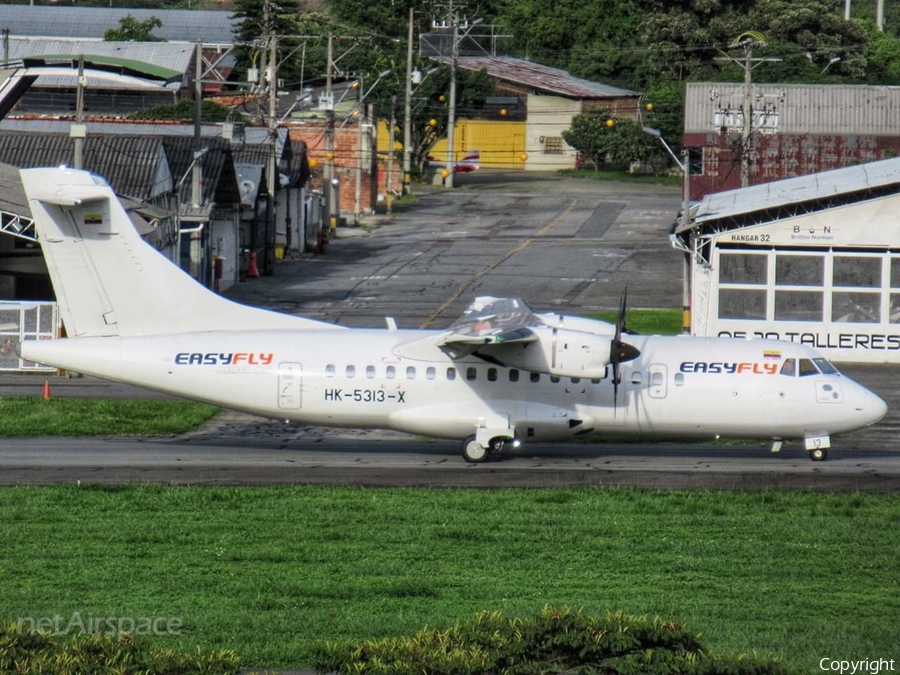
(252, 269)
(46, 393)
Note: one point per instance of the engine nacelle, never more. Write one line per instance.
(563, 352)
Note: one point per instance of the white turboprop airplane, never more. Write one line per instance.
(499, 376)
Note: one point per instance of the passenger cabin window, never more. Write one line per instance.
(535, 377)
(554, 379)
(410, 372)
(807, 367)
(471, 374)
(679, 379)
(451, 374)
(430, 373)
(636, 378)
(492, 374)
(329, 370)
(370, 372)
(350, 372)
(576, 380)
(513, 375)
(789, 367)
(390, 372)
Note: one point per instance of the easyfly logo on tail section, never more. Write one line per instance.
(219, 359)
(724, 367)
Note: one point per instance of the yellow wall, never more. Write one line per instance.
(500, 144)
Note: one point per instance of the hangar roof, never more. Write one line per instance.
(745, 206)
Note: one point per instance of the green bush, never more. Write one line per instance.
(556, 641)
(32, 653)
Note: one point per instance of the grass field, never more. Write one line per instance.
(271, 571)
(32, 416)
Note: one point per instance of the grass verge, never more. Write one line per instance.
(647, 321)
(272, 572)
(31, 416)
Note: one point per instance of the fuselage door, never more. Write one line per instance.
(657, 380)
(289, 386)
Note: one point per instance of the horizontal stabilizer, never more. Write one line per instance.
(71, 195)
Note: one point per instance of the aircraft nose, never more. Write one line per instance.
(871, 406)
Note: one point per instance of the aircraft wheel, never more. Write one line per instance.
(818, 454)
(473, 451)
(496, 446)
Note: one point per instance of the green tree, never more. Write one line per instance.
(604, 139)
(688, 41)
(882, 56)
(132, 30)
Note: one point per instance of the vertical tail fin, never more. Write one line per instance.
(108, 281)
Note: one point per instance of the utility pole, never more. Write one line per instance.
(357, 195)
(78, 130)
(879, 14)
(407, 112)
(747, 41)
(198, 93)
(388, 192)
(271, 173)
(328, 173)
(6, 44)
(451, 115)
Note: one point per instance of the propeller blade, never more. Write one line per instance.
(620, 352)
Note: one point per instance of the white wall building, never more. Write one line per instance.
(813, 259)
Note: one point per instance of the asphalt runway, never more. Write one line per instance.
(568, 245)
(374, 461)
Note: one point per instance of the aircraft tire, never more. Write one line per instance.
(473, 451)
(818, 454)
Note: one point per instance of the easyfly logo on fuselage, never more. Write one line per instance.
(219, 359)
(727, 368)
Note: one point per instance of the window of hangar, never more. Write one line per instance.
(841, 286)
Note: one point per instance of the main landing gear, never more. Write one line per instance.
(475, 451)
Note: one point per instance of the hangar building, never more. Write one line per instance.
(813, 259)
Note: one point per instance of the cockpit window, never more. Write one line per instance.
(807, 367)
(789, 367)
(826, 367)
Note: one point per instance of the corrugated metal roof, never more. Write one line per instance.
(732, 203)
(64, 78)
(219, 177)
(802, 108)
(178, 57)
(540, 77)
(248, 136)
(12, 193)
(92, 22)
(129, 163)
